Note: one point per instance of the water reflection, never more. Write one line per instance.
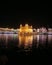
(37, 41)
(25, 41)
(49, 38)
(43, 38)
(11, 40)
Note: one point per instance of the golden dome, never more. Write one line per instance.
(26, 24)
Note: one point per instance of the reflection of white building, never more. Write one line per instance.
(42, 39)
(49, 38)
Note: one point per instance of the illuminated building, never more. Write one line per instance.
(25, 29)
(38, 30)
(43, 30)
(49, 30)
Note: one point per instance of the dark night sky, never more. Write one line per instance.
(36, 15)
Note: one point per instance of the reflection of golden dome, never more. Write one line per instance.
(25, 40)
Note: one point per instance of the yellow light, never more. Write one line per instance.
(26, 29)
(26, 24)
(25, 40)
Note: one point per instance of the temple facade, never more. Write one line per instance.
(25, 29)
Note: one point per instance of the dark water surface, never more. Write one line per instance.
(25, 50)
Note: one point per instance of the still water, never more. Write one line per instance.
(25, 42)
(14, 47)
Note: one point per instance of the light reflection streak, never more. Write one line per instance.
(49, 38)
(43, 41)
(37, 41)
(25, 41)
(43, 38)
(34, 40)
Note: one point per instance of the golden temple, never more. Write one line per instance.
(25, 29)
